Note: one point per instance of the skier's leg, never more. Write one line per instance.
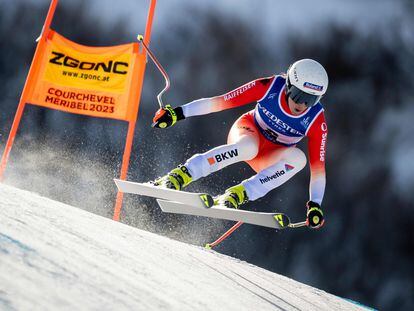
(243, 145)
(275, 164)
(287, 162)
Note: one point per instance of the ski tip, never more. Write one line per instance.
(207, 246)
(207, 199)
(117, 183)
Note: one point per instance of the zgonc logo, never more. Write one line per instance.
(68, 61)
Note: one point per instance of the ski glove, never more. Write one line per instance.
(314, 215)
(167, 116)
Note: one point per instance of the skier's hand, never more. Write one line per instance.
(314, 215)
(167, 116)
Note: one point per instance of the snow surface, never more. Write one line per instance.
(55, 256)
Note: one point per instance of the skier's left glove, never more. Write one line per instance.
(314, 215)
(167, 116)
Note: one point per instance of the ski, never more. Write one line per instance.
(198, 200)
(270, 220)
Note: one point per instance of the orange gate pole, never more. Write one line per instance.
(131, 125)
(22, 102)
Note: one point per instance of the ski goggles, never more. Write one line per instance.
(299, 96)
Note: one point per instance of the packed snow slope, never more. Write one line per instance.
(58, 257)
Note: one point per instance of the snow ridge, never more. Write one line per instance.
(55, 256)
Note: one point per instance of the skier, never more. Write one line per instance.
(287, 110)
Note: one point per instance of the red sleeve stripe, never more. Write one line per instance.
(313, 121)
(268, 90)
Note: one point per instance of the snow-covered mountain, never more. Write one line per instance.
(58, 257)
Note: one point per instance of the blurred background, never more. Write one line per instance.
(365, 252)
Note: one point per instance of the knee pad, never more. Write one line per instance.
(248, 146)
(295, 157)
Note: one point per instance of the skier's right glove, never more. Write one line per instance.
(314, 215)
(167, 116)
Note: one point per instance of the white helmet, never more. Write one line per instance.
(306, 82)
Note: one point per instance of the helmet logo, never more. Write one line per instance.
(313, 86)
(295, 75)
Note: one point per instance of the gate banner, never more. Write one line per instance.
(94, 81)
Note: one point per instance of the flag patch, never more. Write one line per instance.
(289, 167)
(211, 161)
(313, 86)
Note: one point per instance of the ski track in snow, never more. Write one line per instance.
(55, 256)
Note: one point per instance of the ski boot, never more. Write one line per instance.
(233, 197)
(177, 179)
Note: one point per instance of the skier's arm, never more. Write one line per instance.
(317, 135)
(245, 94)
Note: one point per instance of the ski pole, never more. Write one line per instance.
(238, 224)
(160, 68)
(298, 224)
(223, 236)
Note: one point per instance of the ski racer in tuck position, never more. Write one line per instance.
(287, 110)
